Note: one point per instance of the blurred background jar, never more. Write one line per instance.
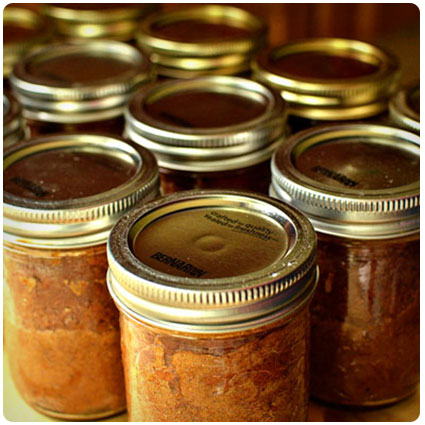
(79, 86)
(202, 40)
(209, 132)
(359, 186)
(210, 331)
(327, 80)
(405, 107)
(62, 195)
(88, 21)
(23, 29)
(13, 126)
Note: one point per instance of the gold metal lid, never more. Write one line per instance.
(405, 107)
(212, 261)
(355, 180)
(118, 21)
(68, 190)
(12, 121)
(202, 40)
(23, 29)
(207, 124)
(80, 81)
(330, 78)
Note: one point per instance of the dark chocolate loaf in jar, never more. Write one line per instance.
(79, 86)
(209, 132)
(405, 107)
(89, 21)
(359, 186)
(330, 80)
(202, 40)
(62, 195)
(209, 331)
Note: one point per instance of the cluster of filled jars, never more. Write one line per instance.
(202, 227)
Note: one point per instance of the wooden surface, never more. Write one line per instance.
(16, 410)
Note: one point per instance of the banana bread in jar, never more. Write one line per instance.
(405, 108)
(210, 331)
(202, 40)
(359, 186)
(209, 132)
(113, 21)
(13, 127)
(330, 80)
(79, 86)
(23, 29)
(62, 195)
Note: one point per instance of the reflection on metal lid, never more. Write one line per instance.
(79, 81)
(330, 78)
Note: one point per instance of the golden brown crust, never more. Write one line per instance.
(62, 331)
(246, 376)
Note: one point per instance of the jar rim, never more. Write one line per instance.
(13, 51)
(49, 99)
(332, 98)
(215, 14)
(215, 304)
(366, 213)
(80, 221)
(118, 23)
(208, 149)
(400, 110)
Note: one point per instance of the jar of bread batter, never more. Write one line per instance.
(209, 132)
(80, 86)
(62, 195)
(327, 80)
(202, 40)
(405, 108)
(359, 186)
(211, 331)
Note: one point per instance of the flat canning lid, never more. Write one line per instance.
(23, 29)
(79, 81)
(68, 190)
(356, 180)
(117, 21)
(212, 261)
(404, 107)
(12, 121)
(211, 123)
(330, 78)
(203, 39)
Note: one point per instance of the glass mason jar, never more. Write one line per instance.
(329, 80)
(405, 108)
(13, 128)
(62, 194)
(114, 21)
(202, 40)
(210, 331)
(23, 30)
(359, 186)
(80, 86)
(209, 132)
